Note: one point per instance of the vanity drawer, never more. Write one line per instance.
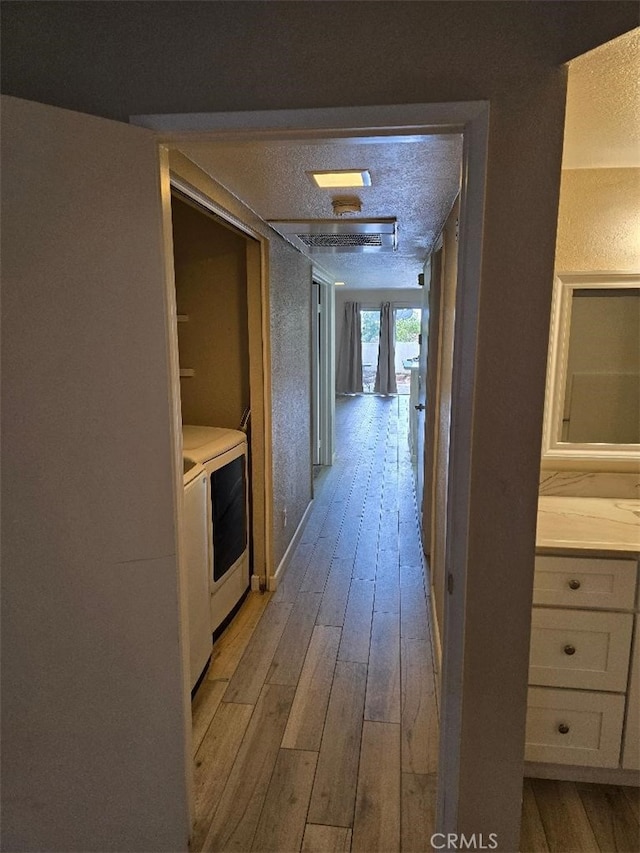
(585, 582)
(580, 648)
(574, 727)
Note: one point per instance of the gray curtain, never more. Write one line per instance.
(386, 372)
(349, 367)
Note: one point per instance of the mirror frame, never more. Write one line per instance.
(558, 454)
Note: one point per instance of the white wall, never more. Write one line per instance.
(94, 700)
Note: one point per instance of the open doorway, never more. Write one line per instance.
(406, 346)
(471, 224)
(211, 283)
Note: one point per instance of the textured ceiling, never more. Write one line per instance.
(603, 106)
(415, 181)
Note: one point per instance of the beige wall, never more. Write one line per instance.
(211, 289)
(598, 222)
(260, 56)
(598, 230)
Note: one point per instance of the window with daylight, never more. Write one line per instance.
(407, 345)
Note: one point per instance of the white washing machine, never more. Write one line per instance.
(223, 454)
(195, 536)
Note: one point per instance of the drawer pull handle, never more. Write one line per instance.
(569, 650)
(574, 584)
(563, 728)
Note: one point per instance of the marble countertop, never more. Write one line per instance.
(593, 524)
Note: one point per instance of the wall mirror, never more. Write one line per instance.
(592, 408)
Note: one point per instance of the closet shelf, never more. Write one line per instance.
(186, 372)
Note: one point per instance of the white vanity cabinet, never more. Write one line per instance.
(631, 743)
(583, 715)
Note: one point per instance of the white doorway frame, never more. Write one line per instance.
(260, 387)
(316, 407)
(404, 121)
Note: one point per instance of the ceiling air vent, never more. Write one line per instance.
(340, 241)
(330, 235)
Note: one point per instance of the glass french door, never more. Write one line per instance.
(370, 337)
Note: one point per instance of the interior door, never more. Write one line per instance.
(323, 371)
(420, 404)
(94, 701)
(430, 351)
(442, 414)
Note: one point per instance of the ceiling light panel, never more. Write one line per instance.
(341, 179)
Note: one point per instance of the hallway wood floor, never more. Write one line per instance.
(316, 728)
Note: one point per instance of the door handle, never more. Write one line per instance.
(420, 407)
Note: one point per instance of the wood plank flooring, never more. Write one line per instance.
(575, 816)
(316, 728)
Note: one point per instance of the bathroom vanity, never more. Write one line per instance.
(583, 717)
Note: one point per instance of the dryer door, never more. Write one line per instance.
(229, 508)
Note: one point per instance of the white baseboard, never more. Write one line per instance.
(571, 773)
(274, 579)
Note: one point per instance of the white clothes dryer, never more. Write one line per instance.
(223, 454)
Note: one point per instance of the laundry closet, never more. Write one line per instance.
(210, 262)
